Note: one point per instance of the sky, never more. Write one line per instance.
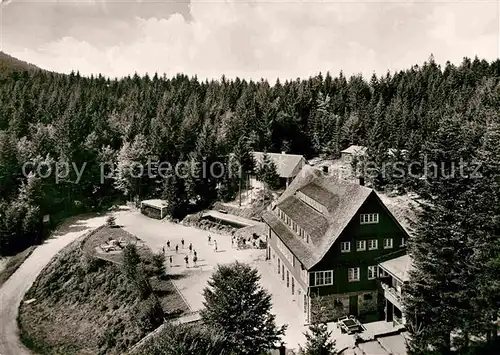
(250, 39)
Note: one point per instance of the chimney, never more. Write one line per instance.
(283, 152)
(325, 169)
(362, 180)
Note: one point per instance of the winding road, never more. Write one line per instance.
(13, 290)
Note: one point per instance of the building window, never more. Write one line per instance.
(388, 243)
(307, 238)
(287, 279)
(360, 245)
(305, 304)
(403, 242)
(353, 274)
(373, 244)
(345, 247)
(285, 251)
(282, 272)
(279, 266)
(372, 272)
(323, 278)
(293, 286)
(367, 297)
(368, 218)
(382, 273)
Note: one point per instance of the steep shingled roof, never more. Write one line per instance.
(310, 220)
(342, 200)
(285, 163)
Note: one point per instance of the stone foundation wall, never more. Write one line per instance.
(328, 308)
(331, 307)
(368, 305)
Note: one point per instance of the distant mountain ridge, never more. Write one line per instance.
(9, 64)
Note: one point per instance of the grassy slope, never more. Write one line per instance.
(83, 305)
(13, 264)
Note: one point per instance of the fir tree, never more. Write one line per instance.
(236, 304)
(440, 288)
(267, 173)
(318, 341)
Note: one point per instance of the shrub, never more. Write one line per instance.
(111, 221)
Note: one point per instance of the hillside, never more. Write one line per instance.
(9, 64)
(82, 304)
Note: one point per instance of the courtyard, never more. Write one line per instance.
(190, 280)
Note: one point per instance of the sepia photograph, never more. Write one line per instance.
(249, 177)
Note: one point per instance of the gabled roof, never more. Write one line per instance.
(355, 149)
(342, 200)
(285, 163)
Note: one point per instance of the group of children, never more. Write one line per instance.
(215, 242)
(191, 250)
(186, 258)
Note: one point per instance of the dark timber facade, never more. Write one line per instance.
(325, 239)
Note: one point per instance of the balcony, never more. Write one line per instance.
(392, 295)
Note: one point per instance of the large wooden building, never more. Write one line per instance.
(325, 238)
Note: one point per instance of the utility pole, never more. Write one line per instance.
(240, 190)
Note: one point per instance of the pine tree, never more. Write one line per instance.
(440, 288)
(9, 166)
(483, 203)
(174, 193)
(131, 261)
(318, 341)
(236, 304)
(266, 172)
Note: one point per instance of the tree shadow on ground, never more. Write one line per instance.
(174, 277)
(73, 224)
(174, 314)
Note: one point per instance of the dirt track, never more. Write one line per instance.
(13, 290)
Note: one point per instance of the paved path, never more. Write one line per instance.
(13, 290)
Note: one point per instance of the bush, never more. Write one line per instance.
(184, 339)
(159, 263)
(150, 314)
(111, 221)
